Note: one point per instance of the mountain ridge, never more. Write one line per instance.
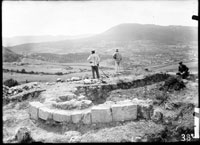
(117, 36)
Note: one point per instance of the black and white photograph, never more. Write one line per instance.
(92, 71)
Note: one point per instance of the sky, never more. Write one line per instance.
(91, 17)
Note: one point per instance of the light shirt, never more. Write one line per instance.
(94, 59)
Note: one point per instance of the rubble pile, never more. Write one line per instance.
(21, 92)
(73, 104)
(70, 101)
(173, 83)
(25, 87)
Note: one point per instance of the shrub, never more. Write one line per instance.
(31, 72)
(23, 71)
(59, 73)
(10, 83)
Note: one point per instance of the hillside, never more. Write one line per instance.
(18, 40)
(162, 34)
(124, 36)
(10, 56)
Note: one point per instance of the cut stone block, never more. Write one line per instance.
(34, 109)
(87, 118)
(101, 114)
(62, 116)
(45, 113)
(77, 116)
(122, 112)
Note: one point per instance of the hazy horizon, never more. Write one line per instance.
(72, 18)
(62, 35)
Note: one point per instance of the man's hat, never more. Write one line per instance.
(180, 62)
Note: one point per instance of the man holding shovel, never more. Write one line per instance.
(94, 60)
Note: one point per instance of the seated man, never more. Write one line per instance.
(183, 70)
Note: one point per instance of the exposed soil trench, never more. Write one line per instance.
(99, 93)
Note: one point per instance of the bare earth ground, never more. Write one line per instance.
(16, 115)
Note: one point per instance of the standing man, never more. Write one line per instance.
(94, 60)
(118, 58)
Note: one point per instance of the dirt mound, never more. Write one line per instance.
(173, 83)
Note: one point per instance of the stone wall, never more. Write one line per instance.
(126, 110)
(103, 113)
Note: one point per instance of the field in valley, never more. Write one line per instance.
(68, 69)
(79, 70)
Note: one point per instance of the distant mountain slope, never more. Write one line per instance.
(118, 36)
(164, 34)
(18, 40)
(10, 56)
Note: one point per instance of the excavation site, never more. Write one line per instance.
(100, 71)
(156, 107)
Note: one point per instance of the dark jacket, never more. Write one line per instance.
(183, 68)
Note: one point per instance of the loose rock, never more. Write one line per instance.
(23, 135)
(157, 117)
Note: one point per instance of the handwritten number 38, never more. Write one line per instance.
(186, 137)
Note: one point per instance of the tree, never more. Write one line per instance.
(23, 71)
